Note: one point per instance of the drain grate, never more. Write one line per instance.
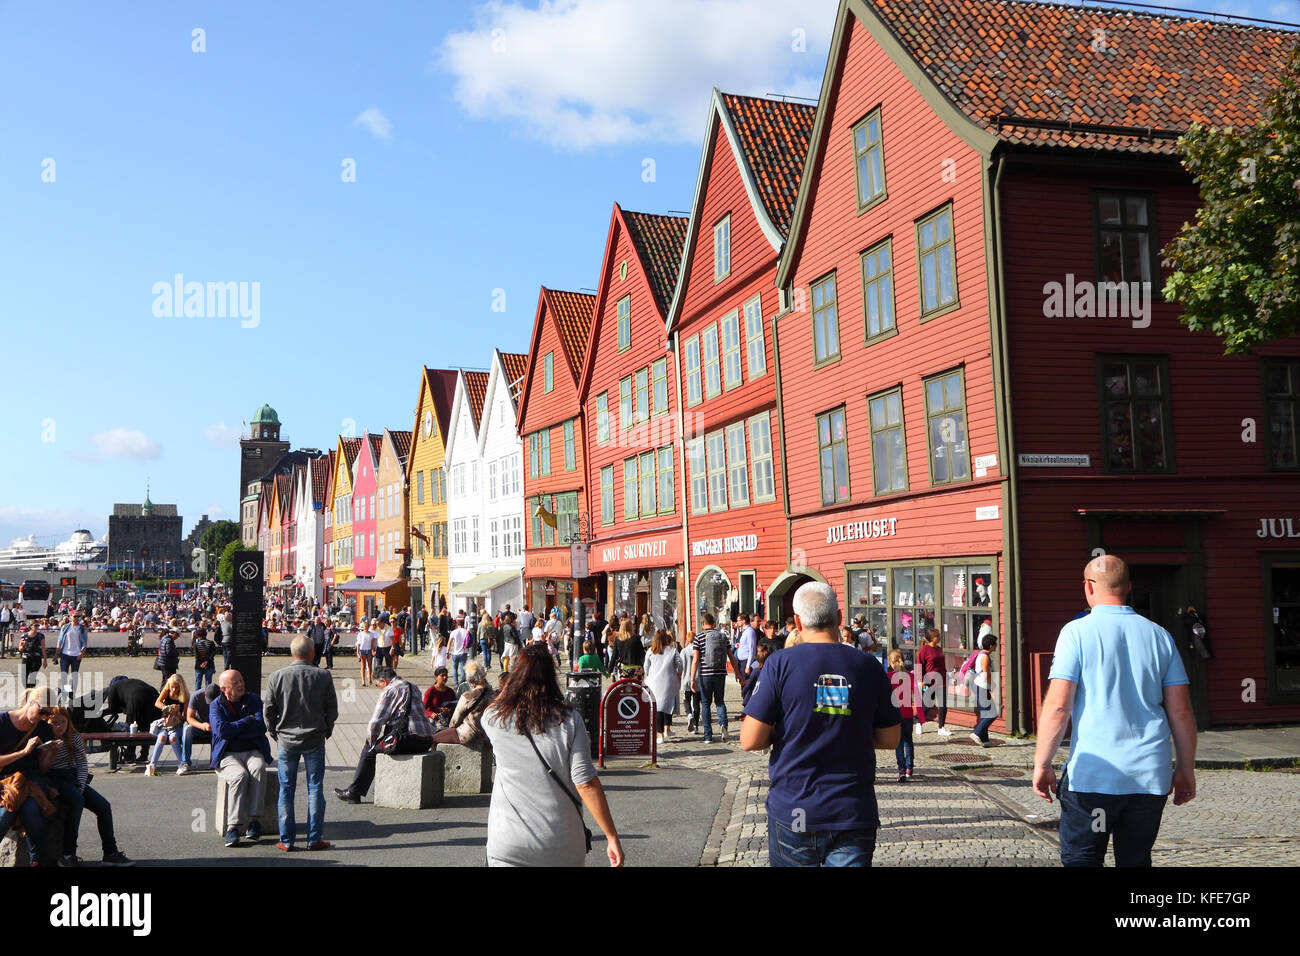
(961, 758)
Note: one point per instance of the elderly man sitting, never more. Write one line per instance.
(399, 713)
(240, 754)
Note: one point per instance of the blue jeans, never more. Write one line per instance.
(983, 704)
(33, 823)
(785, 847)
(458, 668)
(203, 676)
(486, 646)
(1089, 819)
(314, 761)
(712, 691)
(70, 664)
(190, 737)
(906, 750)
(168, 735)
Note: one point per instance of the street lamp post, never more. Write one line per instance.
(578, 622)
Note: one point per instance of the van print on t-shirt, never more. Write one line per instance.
(833, 695)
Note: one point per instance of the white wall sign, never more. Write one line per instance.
(859, 530)
(983, 463)
(986, 513)
(1054, 461)
(732, 545)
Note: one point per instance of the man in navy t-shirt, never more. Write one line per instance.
(824, 707)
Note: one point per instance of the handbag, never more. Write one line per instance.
(395, 733)
(586, 834)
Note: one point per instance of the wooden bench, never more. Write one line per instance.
(117, 741)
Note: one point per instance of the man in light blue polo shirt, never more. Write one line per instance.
(1118, 676)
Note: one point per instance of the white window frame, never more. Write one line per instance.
(699, 476)
(732, 372)
(755, 345)
(760, 449)
(715, 452)
(712, 361)
(722, 248)
(691, 355)
(737, 466)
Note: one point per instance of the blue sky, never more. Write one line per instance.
(489, 142)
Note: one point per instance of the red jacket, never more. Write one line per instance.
(906, 694)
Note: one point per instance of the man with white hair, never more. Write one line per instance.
(1119, 677)
(824, 708)
(240, 754)
(301, 708)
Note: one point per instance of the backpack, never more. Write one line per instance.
(715, 651)
(967, 672)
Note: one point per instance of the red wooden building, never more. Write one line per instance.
(552, 428)
(753, 156)
(630, 410)
(961, 432)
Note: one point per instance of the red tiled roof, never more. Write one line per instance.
(572, 313)
(774, 139)
(476, 392)
(284, 491)
(320, 472)
(1104, 71)
(515, 364)
(402, 443)
(659, 241)
(351, 446)
(331, 466)
(376, 446)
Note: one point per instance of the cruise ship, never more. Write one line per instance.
(80, 552)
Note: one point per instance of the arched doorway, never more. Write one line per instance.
(712, 595)
(782, 592)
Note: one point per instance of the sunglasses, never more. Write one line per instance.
(46, 713)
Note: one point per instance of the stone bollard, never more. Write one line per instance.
(467, 770)
(410, 781)
(269, 815)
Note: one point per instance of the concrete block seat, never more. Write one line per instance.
(467, 770)
(410, 781)
(268, 816)
(13, 848)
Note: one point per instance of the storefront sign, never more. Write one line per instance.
(1054, 461)
(859, 530)
(627, 726)
(733, 545)
(983, 463)
(547, 563)
(650, 552)
(986, 513)
(578, 559)
(1277, 528)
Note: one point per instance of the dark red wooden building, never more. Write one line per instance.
(962, 428)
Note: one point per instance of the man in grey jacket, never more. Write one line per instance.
(301, 708)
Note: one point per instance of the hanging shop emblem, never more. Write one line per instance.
(860, 530)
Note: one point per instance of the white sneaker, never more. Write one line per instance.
(944, 732)
(150, 770)
(975, 738)
(659, 737)
(182, 770)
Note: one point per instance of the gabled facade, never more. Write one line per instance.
(391, 524)
(552, 427)
(309, 527)
(426, 482)
(500, 581)
(465, 499)
(342, 506)
(633, 444)
(723, 361)
(328, 465)
(364, 484)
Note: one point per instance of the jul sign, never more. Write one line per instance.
(1277, 528)
(860, 530)
(627, 727)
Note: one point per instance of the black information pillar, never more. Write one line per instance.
(246, 655)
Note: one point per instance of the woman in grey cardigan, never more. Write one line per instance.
(542, 755)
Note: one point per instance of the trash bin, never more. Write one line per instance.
(584, 696)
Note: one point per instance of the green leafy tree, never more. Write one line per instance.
(1238, 266)
(226, 566)
(216, 536)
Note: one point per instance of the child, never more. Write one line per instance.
(906, 696)
(765, 648)
(590, 660)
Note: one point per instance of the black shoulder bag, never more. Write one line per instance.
(398, 729)
(567, 792)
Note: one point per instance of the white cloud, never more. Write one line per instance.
(215, 512)
(122, 442)
(221, 436)
(581, 73)
(376, 122)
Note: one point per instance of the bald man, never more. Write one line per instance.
(1119, 677)
(240, 754)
